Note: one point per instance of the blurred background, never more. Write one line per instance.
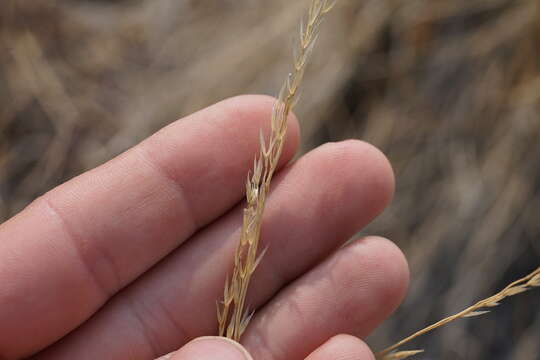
(448, 89)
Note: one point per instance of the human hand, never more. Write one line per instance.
(127, 260)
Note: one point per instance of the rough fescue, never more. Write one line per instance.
(480, 308)
(233, 316)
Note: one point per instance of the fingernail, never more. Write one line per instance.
(212, 348)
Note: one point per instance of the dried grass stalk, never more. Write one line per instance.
(233, 316)
(401, 355)
(480, 308)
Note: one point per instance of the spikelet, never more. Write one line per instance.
(480, 308)
(232, 313)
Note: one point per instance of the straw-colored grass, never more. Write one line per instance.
(480, 308)
(233, 316)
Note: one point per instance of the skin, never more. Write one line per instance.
(126, 261)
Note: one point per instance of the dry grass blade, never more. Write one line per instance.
(402, 354)
(517, 287)
(233, 316)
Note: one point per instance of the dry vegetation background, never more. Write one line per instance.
(449, 89)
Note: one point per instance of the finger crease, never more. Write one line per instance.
(182, 333)
(148, 334)
(173, 183)
(76, 242)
